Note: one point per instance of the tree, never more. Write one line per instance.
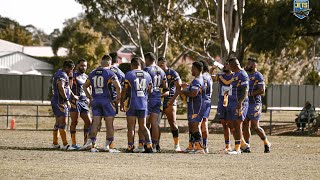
(12, 31)
(141, 20)
(82, 41)
(229, 15)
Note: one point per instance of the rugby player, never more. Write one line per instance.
(238, 103)
(79, 107)
(207, 80)
(193, 92)
(134, 101)
(224, 80)
(170, 103)
(256, 89)
(159, 81)
(101, 80)
(119, 73)
(60, 103)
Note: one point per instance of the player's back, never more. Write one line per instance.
(119, 74)
(207, 81)
(239, 79)
(101, 81)
(195, 104)
(157, 76)
(62, 76)
(137, 82)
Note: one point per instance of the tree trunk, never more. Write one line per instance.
(229, 18)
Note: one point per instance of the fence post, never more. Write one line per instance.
(37, 118)
(270, 122)
(308, 123)
(7, 116)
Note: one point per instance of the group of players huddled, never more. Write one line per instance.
(145, 93)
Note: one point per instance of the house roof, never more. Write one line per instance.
(43, 51)
(20, 63)
(38, 51)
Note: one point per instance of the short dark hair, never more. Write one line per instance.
(162, 58)
(106, 58)
(150, 56)
(136, 61)
(68, 64)
(253, 59)
(205, 65)
(233, 61)
(81, 60)
(198, 65)
(114, 57)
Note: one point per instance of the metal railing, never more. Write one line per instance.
(271, 109)
(47, 103)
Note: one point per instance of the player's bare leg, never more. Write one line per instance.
(62, 130)
(171, 113)
(256, 127)
(73, 125)
(91, 142)
(87, 124)
(196, 137)
(205, 134)
(55, 142)
(131, 123)
(110, 135)
(245, 145)
(226, 133)
(146, 133)
(153, 120)
(237, 124)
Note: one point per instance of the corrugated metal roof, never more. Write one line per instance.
(39, 51)
(43, 51)
(7, 46)
(23, 63)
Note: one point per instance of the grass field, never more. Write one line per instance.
(27, 155)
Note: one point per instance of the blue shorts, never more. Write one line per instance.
(254, 111)
(103, 108)
(232, 114)
(154, 106)
(206, 109)
(59, 109)
(137, 112)
(165, 102)
(195, 118)
(80, 106)
(222, 111)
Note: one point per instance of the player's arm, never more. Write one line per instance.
(177, 83)
(244, 93)
(62, 92)
(150, 87)
(257, 92)
(116, 84)
(214, 77)
(86, 86)
(164, 86)
(123, 95)
(195, 88)
(261, 87)
(61, 89)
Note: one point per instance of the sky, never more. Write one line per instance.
(43, 14)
